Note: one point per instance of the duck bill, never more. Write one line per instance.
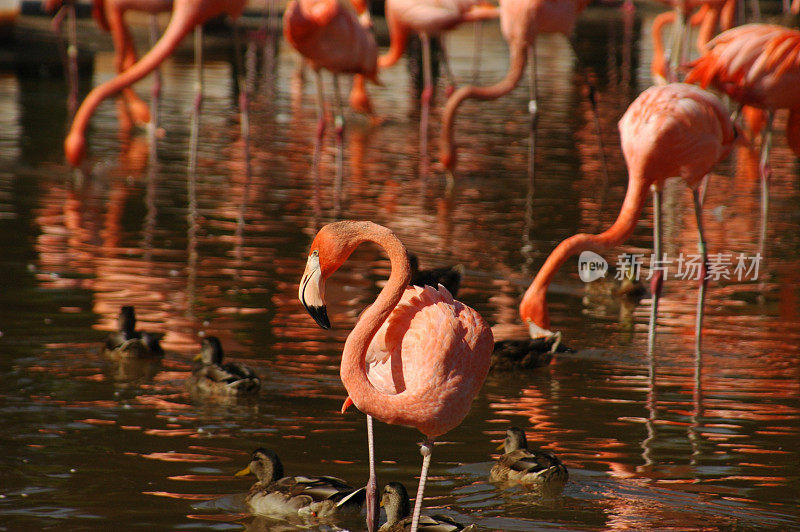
(243, 472)
(312, 292)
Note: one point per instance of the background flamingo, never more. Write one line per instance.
(330, 36)
(416, 357)
(427, 18)
(186, 14)
(758, 65)
(668, 131)
(521, 21)
(110, 16)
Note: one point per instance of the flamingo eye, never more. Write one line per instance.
(315, 253)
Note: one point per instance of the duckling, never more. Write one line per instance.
(211, 376)
(527, 466)
(447, 276)
(128, 342)
(276, 495)
(398, 514)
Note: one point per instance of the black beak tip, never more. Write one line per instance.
(320, 315)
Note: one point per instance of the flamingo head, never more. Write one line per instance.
(75, 149)
(533, 311)
(312, 290)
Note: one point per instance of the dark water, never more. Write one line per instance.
(672, 441)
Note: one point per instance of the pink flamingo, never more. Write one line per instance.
(110, 16)
(416, 357)
(427, 18)
(330, 36)
(668, 131)
(186, 15)
(758, 65)
(521, 21)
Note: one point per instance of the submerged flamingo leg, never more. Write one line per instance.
(533, 110)
(764, 173)
(425, 99)
(701, 242)
(476, 51)
(155, 93)
(657, 280)
(451, 79)
(372, 483)
(338, 121)
(592, 96)
(318, 139)
(425, 450)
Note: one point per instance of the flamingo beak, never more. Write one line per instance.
(312, 292)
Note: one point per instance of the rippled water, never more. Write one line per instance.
(672, 441)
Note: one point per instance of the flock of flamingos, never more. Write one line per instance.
(417, 356)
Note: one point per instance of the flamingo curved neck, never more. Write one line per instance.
(398, 39)
(534, 305)
(518, 59)
(353, 367)
(185, 16)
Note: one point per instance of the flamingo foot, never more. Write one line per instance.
(372, 502)
(347, 404)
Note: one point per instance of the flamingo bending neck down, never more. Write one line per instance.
(427, 18)
(520, 21)
(668, 131)
(186, 14)
(416, 357)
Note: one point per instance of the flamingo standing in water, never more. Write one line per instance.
(427, 18)
(186, 15)
(668, 131)
(521, 21)
(758, 65)
(330, 36)
(416, 357)
(110, 16)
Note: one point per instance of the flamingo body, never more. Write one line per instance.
(757, 65)
(330, 36)
(674, 130)
(431, 345)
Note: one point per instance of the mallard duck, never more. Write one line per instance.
(447, 276)
(527, 466)
(128, 342)
(398, 514)
(279, 496)
(211, 376)
(526, 353)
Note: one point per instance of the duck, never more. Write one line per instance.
(447, 276)
(127, 342)
(273, 494)
(526, 353)
(210, 376)
(394, 499)
(531, 467)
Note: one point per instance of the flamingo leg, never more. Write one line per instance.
(338, 121)
(476, 51)
(198, 104)
(451, 79)
(592, 96)
(764, 173)
(533, 110)
(701, 244)
(155, 94)
(657, 280)
(677, 48)
(318, 139)
(425, 99)
(72, 58)
(425, 450)
(372, 483)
